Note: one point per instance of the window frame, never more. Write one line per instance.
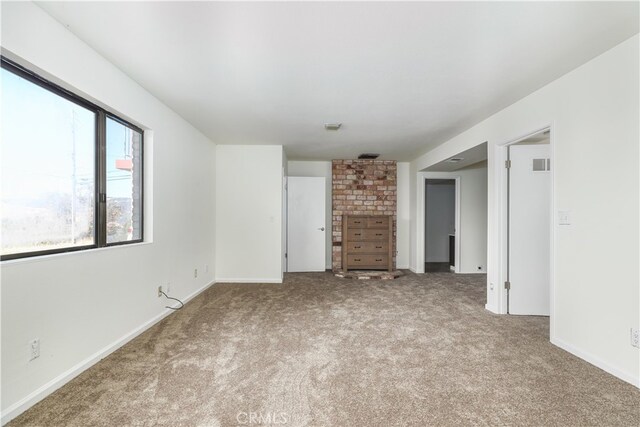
(100, 169)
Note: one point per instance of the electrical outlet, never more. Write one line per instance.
(635, 337)
(206, 268)
(34, 349)
(160, 291)
(195, 273)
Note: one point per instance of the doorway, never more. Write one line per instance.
(440, 225)
(529, 226)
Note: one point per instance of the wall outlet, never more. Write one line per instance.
(34, 349)
(206, 268)
(160, 291)
(195, 273)
(635, 337)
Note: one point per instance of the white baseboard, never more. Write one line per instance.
(491, 309)
(27, 402)
(241, 280)
(596, 361)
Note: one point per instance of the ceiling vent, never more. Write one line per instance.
(368, 156)
(332, 126)
(454, 160)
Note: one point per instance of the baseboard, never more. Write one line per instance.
(491, 309)
(241, 280)
(27, 402)
(596, 361)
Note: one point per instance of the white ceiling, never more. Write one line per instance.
(401, 77)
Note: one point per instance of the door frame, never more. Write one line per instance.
(501, 155)
(420, 226)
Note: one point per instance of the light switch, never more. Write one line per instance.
(564, 218)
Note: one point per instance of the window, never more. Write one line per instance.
(71, 172)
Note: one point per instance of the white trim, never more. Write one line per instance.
(490, 308)
(457, 238)
(596, 361)
(243, 280)
(36, 396)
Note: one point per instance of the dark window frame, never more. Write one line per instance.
(100, 190)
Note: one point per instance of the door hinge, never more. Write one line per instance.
(507, 285)
(507, 164)
(286, 255)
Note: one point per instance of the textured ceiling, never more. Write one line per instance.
(401, 77)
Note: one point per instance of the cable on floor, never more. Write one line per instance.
(175, 299)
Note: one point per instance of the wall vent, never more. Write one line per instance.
(368, 156)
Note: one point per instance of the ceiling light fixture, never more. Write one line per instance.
(332, 126)
(455, 160)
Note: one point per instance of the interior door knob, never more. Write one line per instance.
(321, 228)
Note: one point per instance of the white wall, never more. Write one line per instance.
(404, 216)
(80, 305)
(594, 116)
(323, 169)
(473, 217)
(440, 220)
(249, 213)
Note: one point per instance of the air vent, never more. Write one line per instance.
(368, 156)
(455, 160)
(332, 126)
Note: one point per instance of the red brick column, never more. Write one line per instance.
(362, 187)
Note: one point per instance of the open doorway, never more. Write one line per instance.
(440, 225)
(529, 225)
(468, 245)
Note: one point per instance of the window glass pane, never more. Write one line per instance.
(48, 169)
(124, 179)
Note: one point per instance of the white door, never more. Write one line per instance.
(306, 224)
(529, 229)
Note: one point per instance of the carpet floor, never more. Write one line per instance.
(322, 351)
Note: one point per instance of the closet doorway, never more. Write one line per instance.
(440, 225)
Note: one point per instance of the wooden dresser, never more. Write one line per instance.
(367, 242)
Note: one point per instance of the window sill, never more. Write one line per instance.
(39, 258)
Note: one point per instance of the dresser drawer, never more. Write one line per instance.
(378, 222)
(367, 234)
(368, 261)
(367, 247)
(357, 222)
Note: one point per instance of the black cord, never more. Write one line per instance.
(176, 299)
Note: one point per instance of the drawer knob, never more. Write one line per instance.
(378, 234)
(379, 259)
(356, 259)
(357, 247)
(378, 247)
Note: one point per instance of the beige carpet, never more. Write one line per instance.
(324, 351)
